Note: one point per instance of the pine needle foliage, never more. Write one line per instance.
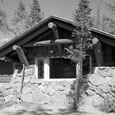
(20, 18)
(35, 13)
(83, 23)
(82, 37)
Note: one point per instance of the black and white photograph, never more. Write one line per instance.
(57, 57)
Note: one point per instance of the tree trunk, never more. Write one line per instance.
(78, 78)
(77, 84)
(90, 63)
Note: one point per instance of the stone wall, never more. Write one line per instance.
(101, 85)
(47, 92)
(37, 91)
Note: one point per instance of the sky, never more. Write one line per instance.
(61, 8)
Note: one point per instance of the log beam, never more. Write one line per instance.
(98, 51)
(54, 29)
(55, 32)
(24, 61)
(50, 42)
(21, 55)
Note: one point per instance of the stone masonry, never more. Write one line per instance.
(101, 85)
(37, 91)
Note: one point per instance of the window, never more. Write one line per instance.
(6, 68)
(6, 71)
(62, 68)
(40, 69)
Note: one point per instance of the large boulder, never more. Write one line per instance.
(38, 96)
(96, 80)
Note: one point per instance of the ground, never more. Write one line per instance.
(35, 109)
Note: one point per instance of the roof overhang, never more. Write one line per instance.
(36, 30)
(104, 37)
(42, 27)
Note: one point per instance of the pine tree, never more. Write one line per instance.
(82, 22)
(20, 18)
(3, 22)
(82, 36)
(98, 19)
(35, 13)
(108, 22)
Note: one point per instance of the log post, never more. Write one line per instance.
(98, 51)
(22, 81)
(55, 32)
(90, 64)
(25, 62)
(54, 29)
(21, 55)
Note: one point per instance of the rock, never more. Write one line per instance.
(27, 97)
(31, 86)
(38, 96)
(113, 72)
(8, 92)
(64, 83)
(97, 100)
(99, 91)
(47, 99)
(27, 90)
(105, 74)
(59, 101)
(27, 80)
(34, 81)
(104, 88)
(113, 89)
(93, 88)
(2, 100)
(10, 98)
(7, 86)
(60, 88)
(97, 80)
(112, 93)
(51, 91)
(1, 94)
(90, 92)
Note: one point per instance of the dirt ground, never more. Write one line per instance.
(35, 109)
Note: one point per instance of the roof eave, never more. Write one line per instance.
(95, 30)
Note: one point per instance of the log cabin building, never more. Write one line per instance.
(44, 46)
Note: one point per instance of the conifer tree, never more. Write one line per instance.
(97, 19)
(20, 18)
(108, 22)
(35, 13)
(82, 36)
(3, 22)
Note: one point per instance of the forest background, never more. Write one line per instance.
(103, 12)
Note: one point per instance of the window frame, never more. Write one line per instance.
(46, 77)
(41, 66)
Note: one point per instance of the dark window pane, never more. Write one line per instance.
(40, 69)
(62, 68)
